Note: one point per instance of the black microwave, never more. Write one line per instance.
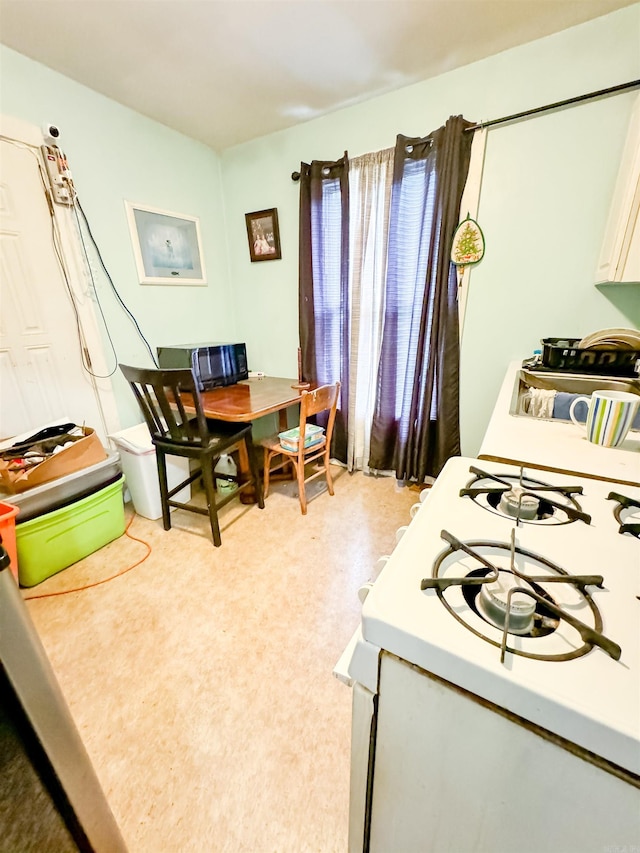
(213, 364)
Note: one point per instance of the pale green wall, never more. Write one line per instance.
(116, 154)
(545, 196)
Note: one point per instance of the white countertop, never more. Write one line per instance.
(555, 445)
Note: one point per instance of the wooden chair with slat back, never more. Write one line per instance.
(175, 432)
(312, 403)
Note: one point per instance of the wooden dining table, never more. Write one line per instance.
(250, 399)
(246, 401)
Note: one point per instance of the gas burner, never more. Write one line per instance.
(519, 601)
(627, 513)
(498, 605)
(520, 497)
(517, 503)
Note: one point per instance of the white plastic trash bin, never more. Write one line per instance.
(138, 459)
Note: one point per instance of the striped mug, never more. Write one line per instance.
(609, 417)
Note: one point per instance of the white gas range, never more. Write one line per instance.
(498, 660)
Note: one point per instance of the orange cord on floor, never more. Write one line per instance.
(105, 580)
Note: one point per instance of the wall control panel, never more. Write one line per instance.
(60, 181)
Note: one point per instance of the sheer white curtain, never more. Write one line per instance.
(370, 178)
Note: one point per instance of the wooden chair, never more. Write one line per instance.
(313, 402)
(177, 433)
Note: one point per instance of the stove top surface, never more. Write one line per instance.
(569, 659)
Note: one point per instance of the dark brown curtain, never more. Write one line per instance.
(324, 283)
(416, 422)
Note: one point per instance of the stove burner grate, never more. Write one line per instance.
(547, 613)
(525, 499)
(625, 513)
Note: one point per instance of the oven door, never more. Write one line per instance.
(452, 772)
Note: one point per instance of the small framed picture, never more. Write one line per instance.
(166, 246)
(263, 235)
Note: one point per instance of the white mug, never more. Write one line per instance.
(609, 417)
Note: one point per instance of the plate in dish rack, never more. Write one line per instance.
(611, 339)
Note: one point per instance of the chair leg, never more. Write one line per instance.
(327, 471)
(164, 489)
(210, 492)
(299, 466)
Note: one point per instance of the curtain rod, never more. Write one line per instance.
(601, 93)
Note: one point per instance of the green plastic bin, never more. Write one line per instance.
(52, 542)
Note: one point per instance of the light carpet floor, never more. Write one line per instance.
(201, 680)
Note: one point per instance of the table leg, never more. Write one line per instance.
(248, 495)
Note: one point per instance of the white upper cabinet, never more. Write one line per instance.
(620, 255)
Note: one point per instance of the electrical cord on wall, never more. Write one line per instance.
(56, 240)
(104, 580)
(78, 206)
(97, 298)
(57, 248)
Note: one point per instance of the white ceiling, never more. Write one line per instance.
(226, 71)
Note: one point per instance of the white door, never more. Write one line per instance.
(42, 376)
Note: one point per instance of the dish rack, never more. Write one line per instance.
(565, 354)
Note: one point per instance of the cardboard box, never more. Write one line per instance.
(84, 452)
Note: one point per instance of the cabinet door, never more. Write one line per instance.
(620, 256)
